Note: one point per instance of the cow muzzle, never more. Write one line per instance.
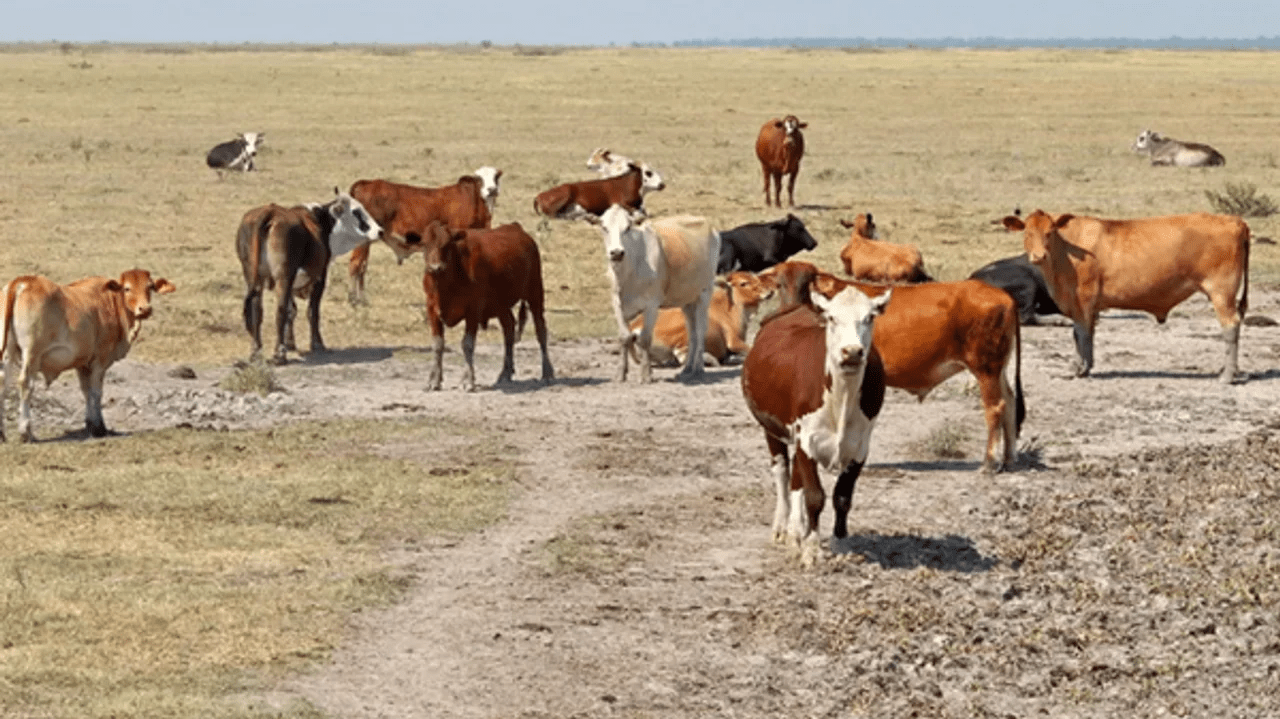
(435, 268)
(851, 358)
(617, 255)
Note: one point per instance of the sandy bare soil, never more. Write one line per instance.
(1127, 568)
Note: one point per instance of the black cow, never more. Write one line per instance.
(1025, 284)
(760, 245)
(235, 154)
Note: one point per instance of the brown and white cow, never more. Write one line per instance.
(1150, 264)
(579, 200)
(930, 332)
(815, 383)
(609, 163)
(867, 259)
(288, 249)
(405, 211)
(780, 147)
(734, 301)
(1176, 153)
(87, 326)
(476, 276)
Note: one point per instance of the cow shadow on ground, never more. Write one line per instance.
(822, 208)
(349, 355)
(1210, 376)
(535, 384)
(951, 553)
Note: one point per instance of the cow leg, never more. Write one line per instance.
(435, 378)
(842, 497)
(1083, 333)
(695, 322)
(284, 321)
(313, 313)
(780, 468)
(997, 407)
(26, 382)
(253, 320)
(91, 386)
(791, 191)
(1232, 337)
(806, 490)
(508, 324)
(540, 329)
(777, 189)
(645, 343)
(469, 355)
(765, 171)
(626, 340)
(356, 267)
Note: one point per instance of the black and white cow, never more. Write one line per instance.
(235, 154)
(761, 245)
(1024, 282)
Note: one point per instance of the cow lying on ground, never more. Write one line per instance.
(288, 249)
(1024, 282)
(664, 263)
(759, 245)
(1168, 151)
(1149, 264)
(405, 211)
(87, 326)
(476, 276)
(867, 259)
(609, 163)
(734, 302)
(578, 200)
(930, 332)
(237, 154)
(780, 147)
(815, 383)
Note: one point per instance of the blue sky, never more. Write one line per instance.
(621, 22)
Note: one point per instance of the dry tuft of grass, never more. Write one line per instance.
(1242, 199)
(946, 441)
(254, 376)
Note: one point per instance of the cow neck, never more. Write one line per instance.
(325, 219)
(132, 324)
(839, 393)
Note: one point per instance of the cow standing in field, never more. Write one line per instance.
(760, 245)
(1176, 153)
(867, 259)
(476, 276)
(734, 302)
(1150, 264)
(780, 147)
(1025, 283)
(288, 249)
(591, 198)
(664, 263)
(815, 383)
(237, 154)
(87, 326)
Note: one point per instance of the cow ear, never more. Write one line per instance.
(1013, 223)
(455, 235)
(497, 175)
(163, 286)
(802, 125)
(114, 286)
(1062, 221)
(879, 303)
(778, 124)
(847, 224)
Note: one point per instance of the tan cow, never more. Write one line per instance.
(87, 326)
(734, 302)
(1150, 264)
(867, 259)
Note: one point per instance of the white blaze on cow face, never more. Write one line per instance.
(489, 177)
(848, 317)
(251, 142)
(1145, 140)
(352, 227)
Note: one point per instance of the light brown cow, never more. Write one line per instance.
(930, 332)
(734, 302)
(1149, 264)
(867, 259)
(780, 147)
(87, 326)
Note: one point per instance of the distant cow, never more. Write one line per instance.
(578, 200)
(734, 301)
(237, 154)
(759, 245)
(815, 383)
(87, 326)
(1024, 282)
(664, 263)
(288, 249)
(478, 275)
(405, 212)
(1150, 264)
(780, 146)
(1168, 151)
(868, 260)
(609, 163)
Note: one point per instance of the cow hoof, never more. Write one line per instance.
(97, 431)
(280, 360)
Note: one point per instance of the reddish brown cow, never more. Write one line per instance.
(574, 200)
(478, 275)
(734, 302)
(780, 146)
(867, 259)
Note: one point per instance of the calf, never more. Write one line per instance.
(760, 245)
(478, 275)
(87, 326)
(1150, 264)
(578, 200)
(779, 147)
(815, 383)
(237, 154)
(405, 212)
(288, 249)
(1024, 282)
(1168, 151)
(664, 263)
(734, 302)
(869, 260)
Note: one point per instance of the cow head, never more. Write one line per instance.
(437, 245)
(1146, 140)
(795, 236)
(615, 224)
(848, 317)
(747, 290)
(252, 140)
(352, 225)
(790, 124)
(863, 226)
(1038, 231)
(650, 180)
(135, 288)
(489, 177)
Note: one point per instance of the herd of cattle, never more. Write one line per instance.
(814, 376)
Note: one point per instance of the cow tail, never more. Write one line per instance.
(259, 230)
(10, 297)
(523, 317)
(1243, 305)
(1020, 406)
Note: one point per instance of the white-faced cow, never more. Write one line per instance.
(476, 276)
(609, 163)
(1025, 283)
(815, 383)
(1168, 151)
(780, 147)
(288, 249)
(578, 200)
(237, 154)
(1150, 264)
(87, 326)
(664, 263)
(734, 301)
(405, 212)
(867, 259)
(759, 245)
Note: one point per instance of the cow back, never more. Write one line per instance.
(406, 210)
(783, 375)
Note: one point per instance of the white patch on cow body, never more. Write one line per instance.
(608, 163)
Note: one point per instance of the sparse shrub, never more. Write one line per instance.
(253, 376)
(944, 442)
(1242, 199)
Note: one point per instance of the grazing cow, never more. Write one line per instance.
(780, 146)
(609, 163)
(664, 263)
(734, 302)
(479, 275)
(235, 154)
(815, 383)
(1168, 151)
(288, 249)
(87, 326)
(1025, 284)
(405, 211)
(868, 260)
(930, 332)
(1150, 264)
(578, 200)
(759, 245)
